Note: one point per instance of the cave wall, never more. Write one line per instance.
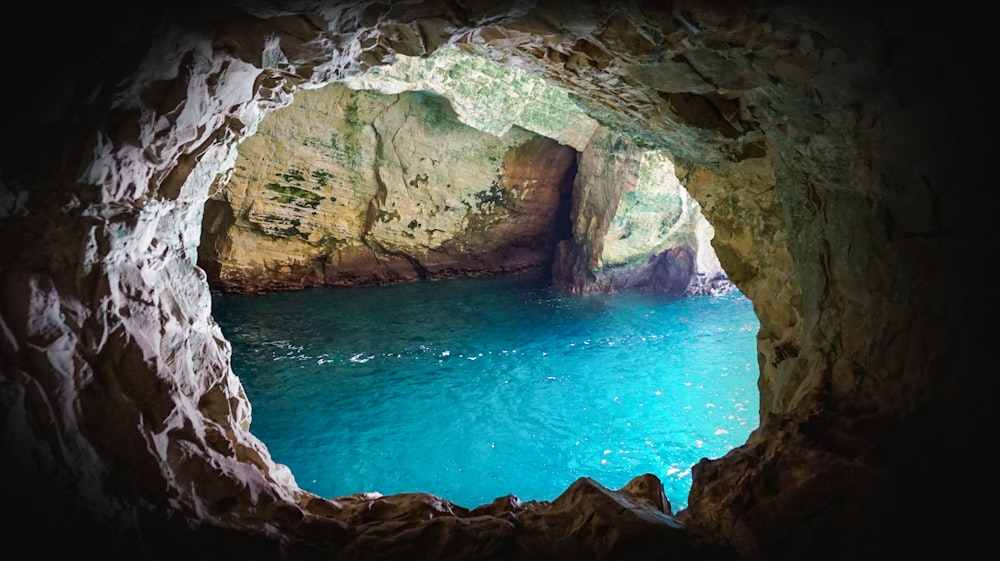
(453, 166)
(353, 188)
(831, 149)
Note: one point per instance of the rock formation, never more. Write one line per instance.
(442, 175)
(352, 188)
(828, 146)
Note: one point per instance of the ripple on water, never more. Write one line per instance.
(476, 388)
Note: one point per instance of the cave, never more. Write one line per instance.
(450, 166)
(833, 149)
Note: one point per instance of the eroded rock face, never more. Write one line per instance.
(825, 145)
(440, 177)
(635, 227)
(352, 187)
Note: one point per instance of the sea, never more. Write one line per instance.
(477, 388)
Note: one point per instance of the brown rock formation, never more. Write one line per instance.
(828, 146)
(354, 187)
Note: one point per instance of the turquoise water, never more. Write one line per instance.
(472, 389)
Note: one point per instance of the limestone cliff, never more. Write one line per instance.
(352, 187)
(431, 172)
(635, 227)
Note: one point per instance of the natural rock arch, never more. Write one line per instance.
(823, 148)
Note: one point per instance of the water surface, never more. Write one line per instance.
(472, 389)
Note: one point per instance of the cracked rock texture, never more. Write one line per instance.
(832, 147)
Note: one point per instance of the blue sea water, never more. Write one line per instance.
(472, 389)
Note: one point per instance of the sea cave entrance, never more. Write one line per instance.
(351, 186)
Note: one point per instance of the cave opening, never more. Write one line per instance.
(339, 191)
(835, 172)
